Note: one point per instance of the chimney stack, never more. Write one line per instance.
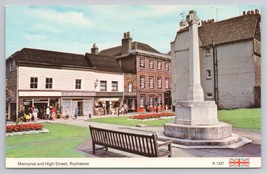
(251, 12)
(126, 43)
(209, 21)
(257, 11)
(94, 49)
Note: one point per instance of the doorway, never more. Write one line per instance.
(80, 106)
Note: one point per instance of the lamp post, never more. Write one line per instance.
(156, 99)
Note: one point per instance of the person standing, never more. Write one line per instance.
(76, 111)
(35, 113)
(47, 112)
(53, 113)
(28, 114)
(22, 115)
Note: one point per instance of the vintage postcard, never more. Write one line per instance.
(133, 86)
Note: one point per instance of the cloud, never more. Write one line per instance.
(45, 27)
(68, 18)
(34, 37)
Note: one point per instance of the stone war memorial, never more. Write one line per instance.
(196, 124)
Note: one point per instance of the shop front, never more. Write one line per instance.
(25, 103)
(131, 103)
(77, 106)
(106, 106)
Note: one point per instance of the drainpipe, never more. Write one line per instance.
(215, 73)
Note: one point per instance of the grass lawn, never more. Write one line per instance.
(242, 118)
(238, 118)
(59, 142)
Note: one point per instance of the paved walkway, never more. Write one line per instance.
(250, 150)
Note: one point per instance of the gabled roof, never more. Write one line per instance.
(103, 63)
(116, 51)
(53, 58)
(229, 30)
(111, 51)
(234, 29)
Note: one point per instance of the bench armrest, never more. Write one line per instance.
(164, 143)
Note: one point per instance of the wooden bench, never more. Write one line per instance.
(145, 145)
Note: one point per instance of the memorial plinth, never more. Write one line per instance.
(196, 123)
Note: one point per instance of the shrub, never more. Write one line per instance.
(153, 115)
(23, 127)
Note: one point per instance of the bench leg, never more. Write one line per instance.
(93, 146)
(170, 150)
(106, 148)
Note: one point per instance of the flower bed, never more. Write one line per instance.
(23, 127)
(153, 115)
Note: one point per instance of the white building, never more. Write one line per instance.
(47, 78)
(109, 84)
(229, 58)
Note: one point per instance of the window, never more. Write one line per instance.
(167, 66)
(207, 51)
(34, 82)
(78, 84)
(166, 83)
(159, 100)
(103, 85)
(159, 64)
(142, 62)
(142, 100)
(151, 100)
(48, 83)
(142, 81)
(209, 95)
(151, 63)
(114, 86)
(151, 82)
(159, 82)
(130, 87)
(12, 66)
(208, 74)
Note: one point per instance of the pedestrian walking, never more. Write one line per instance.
(125, 108)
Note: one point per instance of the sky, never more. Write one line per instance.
(74, 29)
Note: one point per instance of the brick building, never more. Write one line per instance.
(147, 74)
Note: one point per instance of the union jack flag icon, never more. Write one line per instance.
(239, 162)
